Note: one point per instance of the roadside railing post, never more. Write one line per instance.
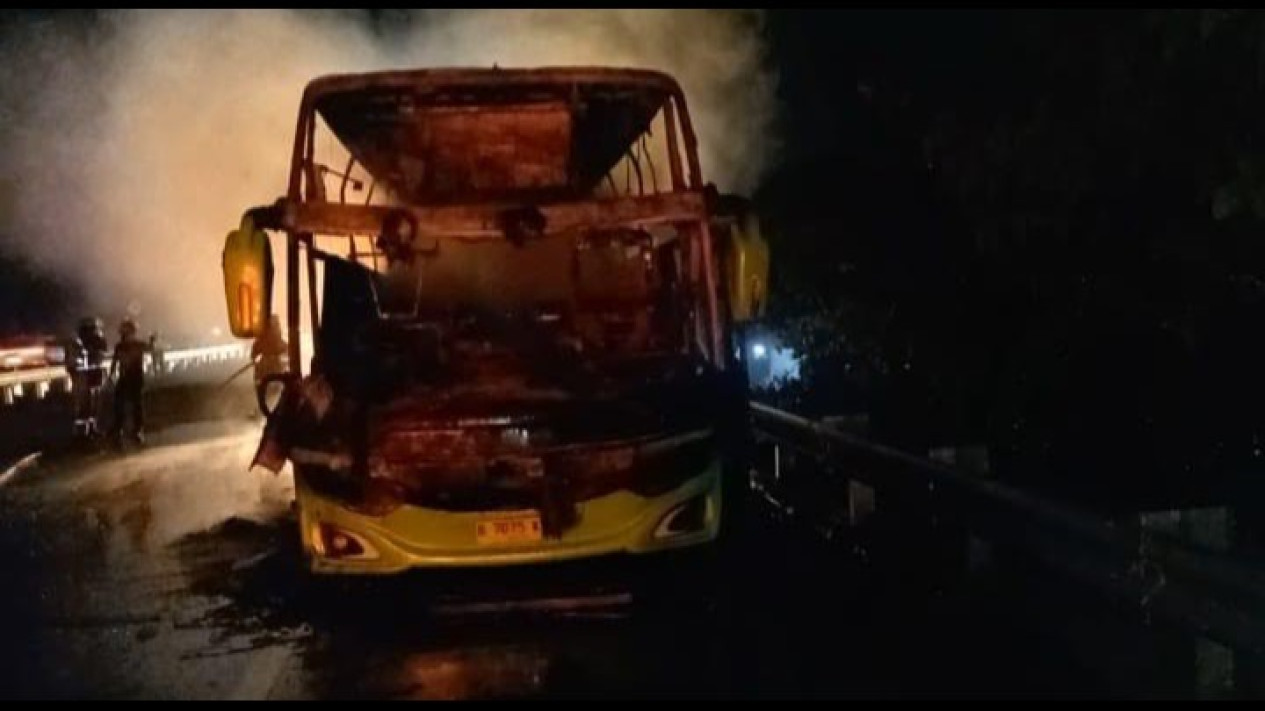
(1180, 572)
(1213, 675)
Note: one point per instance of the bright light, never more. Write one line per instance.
(759, 351)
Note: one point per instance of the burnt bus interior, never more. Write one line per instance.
(548, 217)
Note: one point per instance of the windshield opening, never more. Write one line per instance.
(595, 297)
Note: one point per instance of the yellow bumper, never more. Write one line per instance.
(414, 537)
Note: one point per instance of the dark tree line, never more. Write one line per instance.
(1040, 230)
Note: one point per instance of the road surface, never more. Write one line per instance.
(173, 572)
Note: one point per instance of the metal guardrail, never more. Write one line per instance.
(33, 375)
(1207, 593)
(183, 359)
(38, 382)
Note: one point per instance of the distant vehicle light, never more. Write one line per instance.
(759, 350)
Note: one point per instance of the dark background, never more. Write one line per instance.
(1037, 230)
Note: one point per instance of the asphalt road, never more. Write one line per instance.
(173, 572)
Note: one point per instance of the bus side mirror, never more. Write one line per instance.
(748, 265)
(248, 274)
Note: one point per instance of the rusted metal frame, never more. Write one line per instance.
(674, 158)
(631, 155)
(706, 313)
(292, 303)
(313, 312)
(1206, 593)
(301, 237)
(342, 187)
(368, 199)
(483, 222)
(645, 151)
(431, 80)
(315, 173)
(323, 256)
(302, 142)
(342, 198)
(715, 337)
(691, 142)
(309, 160)
(294, 187)
(440, 78)
(367, 258)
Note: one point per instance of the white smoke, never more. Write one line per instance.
(134, 140)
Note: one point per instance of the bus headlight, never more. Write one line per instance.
(689, 517)
(335, 543)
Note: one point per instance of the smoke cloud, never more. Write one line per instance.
(134, 140)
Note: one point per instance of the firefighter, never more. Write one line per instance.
(129, 367)
(269, 351)
(87, 372)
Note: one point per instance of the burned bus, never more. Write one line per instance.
(523, 304)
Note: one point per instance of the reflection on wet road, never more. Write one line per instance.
(172, 572)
